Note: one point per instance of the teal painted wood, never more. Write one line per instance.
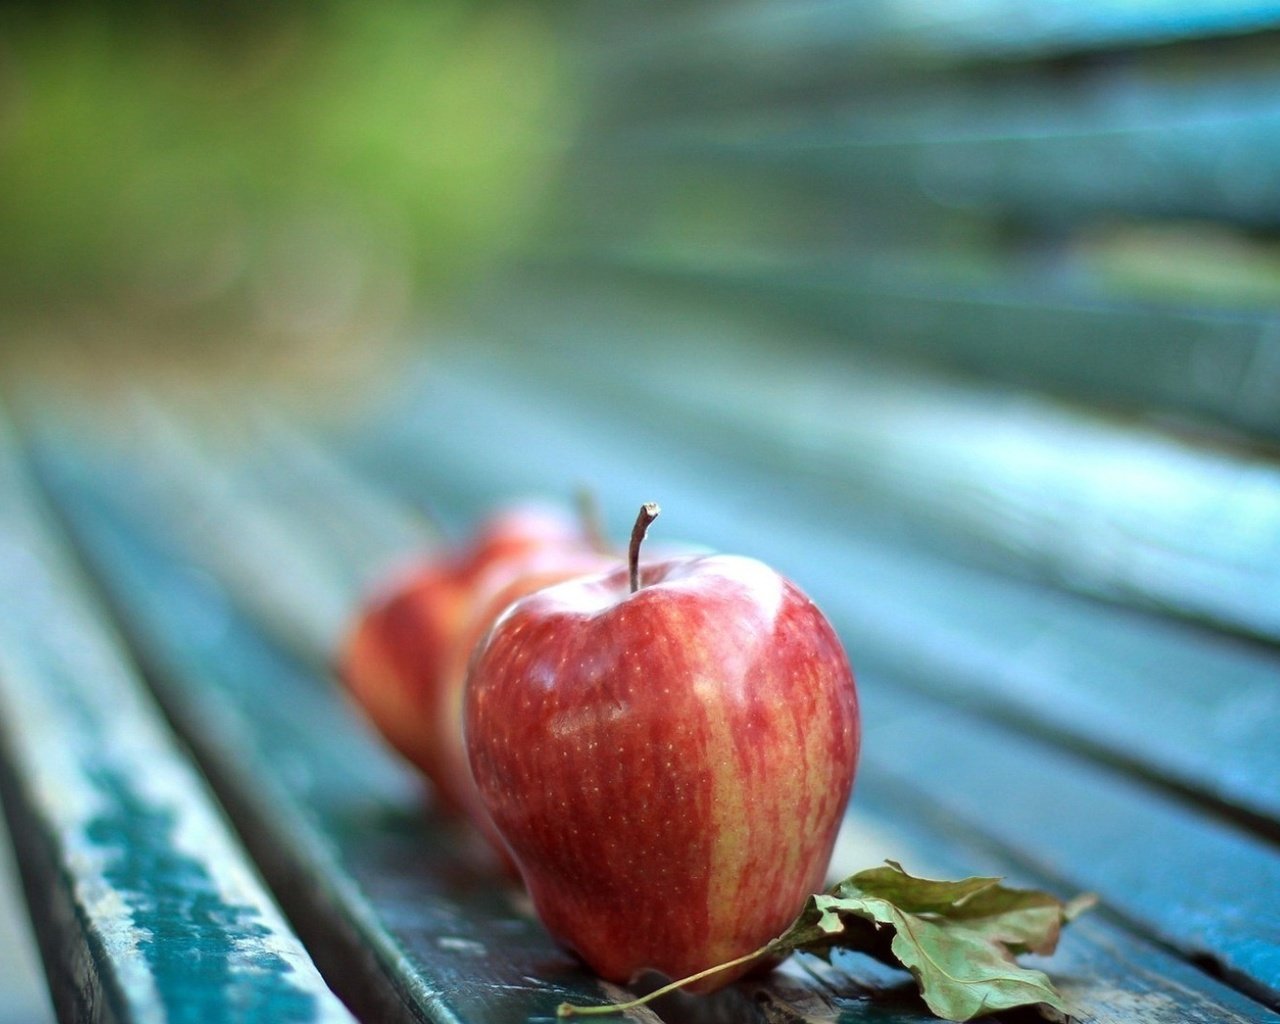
(1178, 137)
(1058, 664)
(1017, 659)
(1220, 366)
(144, 904)
(309, 586)
(999, 222)
(1107, 972)
(1152, 862)
(204, 501)
(282, 475)
(349, 524)
(723, 40)
(1096, 504)
(1110, 975)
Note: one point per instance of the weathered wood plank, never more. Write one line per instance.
(1179, 137)
(144, 904)
(205, 501)
(971, 221)
(1184, 878)
(1221, 366)
(1097, 504)
(1110, 974)
(722, 41)
(482, 435)
(1061, 665)
(349, 524)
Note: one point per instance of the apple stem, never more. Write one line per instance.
(570, 1010)
(648, 513)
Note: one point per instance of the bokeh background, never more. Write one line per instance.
(271, 189)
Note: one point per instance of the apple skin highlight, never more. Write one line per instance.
(669, 766)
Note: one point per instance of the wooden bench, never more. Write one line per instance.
(966, 323)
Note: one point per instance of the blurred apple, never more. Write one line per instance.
(404, 658)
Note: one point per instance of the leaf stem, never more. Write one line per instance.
(570, 1010)
(648, 513)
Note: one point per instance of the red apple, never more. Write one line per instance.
(503, 584)
(668, 753)
(400, 659)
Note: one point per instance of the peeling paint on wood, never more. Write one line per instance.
(144, 903)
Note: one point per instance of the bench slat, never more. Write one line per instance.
(1179, 138)
(717, 42)
(1218, 365)
(289, 472)
(1116, 976)
(1111, 974)
(1155, 864)
(144, 905)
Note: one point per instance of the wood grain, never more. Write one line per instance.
(144, 905)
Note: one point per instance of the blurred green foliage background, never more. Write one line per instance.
(291, 176)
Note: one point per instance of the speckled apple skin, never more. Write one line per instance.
(669, 767)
